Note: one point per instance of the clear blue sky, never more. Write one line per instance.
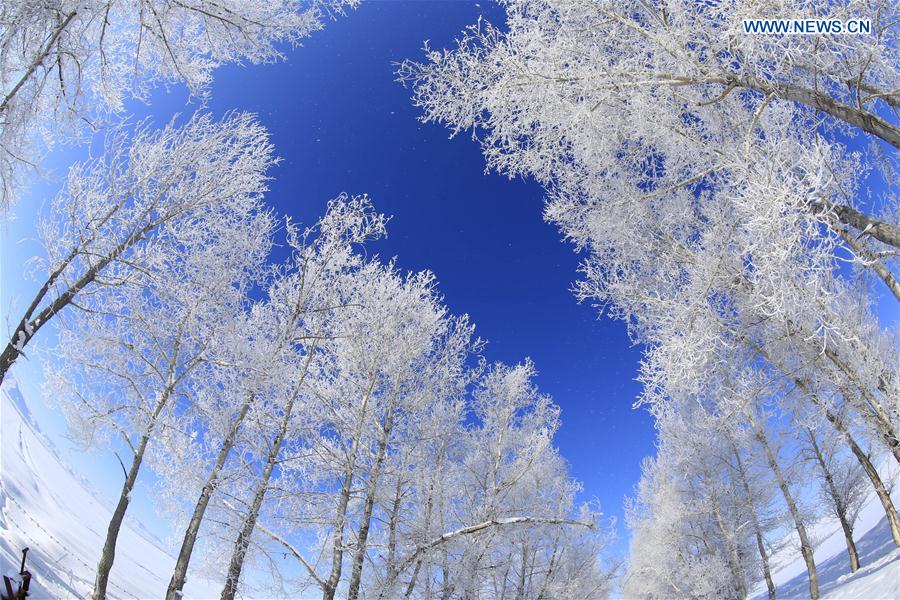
(341, 123)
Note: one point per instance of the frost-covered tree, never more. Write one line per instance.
(66, 65)
(653, 131)
(714, 518)
(628, 102)
(755, 498)
(152, 198)
(332, 421)
(131, 352)
(712, 179)
(382, 476)
(313, 303)
(799, 518)
(307, 301)
(409, 354)
(670, 555)
(842, 484)
(518, 531)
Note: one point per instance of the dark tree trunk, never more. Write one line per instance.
(190, 536)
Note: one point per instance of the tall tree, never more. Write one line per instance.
(313, 302)
(280, 336)
(131, 352)
(843, 485)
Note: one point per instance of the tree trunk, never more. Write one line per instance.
(767, 573)
(548, 576)
(880, 489)
(734, 561)
(851, 546)
(520, 585)
(29, 325)
(243, 541)
(190, 536)
(362, 538)
(108, 554)
(870, 260)
(880, 230)
(242, 544)
(447, 590)
(337, 546)
(863, 119)
(874, 477)
(839, 508)
(879, 414)
(760, 543)
(806, 548)
(393, 524)
(429, 506)
(337, 540)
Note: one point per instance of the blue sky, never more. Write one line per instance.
(341, 123)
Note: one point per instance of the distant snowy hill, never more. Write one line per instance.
(879, 573)
(52, 511)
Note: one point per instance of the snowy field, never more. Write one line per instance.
(878, 576)
(879, 572)
(50, 509)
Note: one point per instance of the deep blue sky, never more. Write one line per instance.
(341, 123)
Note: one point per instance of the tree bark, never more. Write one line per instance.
(806, 548)
(363, 536)
(881, 231)
(863, 119)
(520, 585)
(874, 477)
(734, 561)
(108, 554)
(337, 540)
(760, 543)
(337, 546)
(551, 565)
(861, 456)
(429, 507)
(242, 544)
(190, 536)
(851, 546)
(871, 261)
(839, 508)
(879, 414)
(392, 531)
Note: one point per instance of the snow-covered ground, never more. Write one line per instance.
(48, 508)
(52, 511)
(879, 573)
